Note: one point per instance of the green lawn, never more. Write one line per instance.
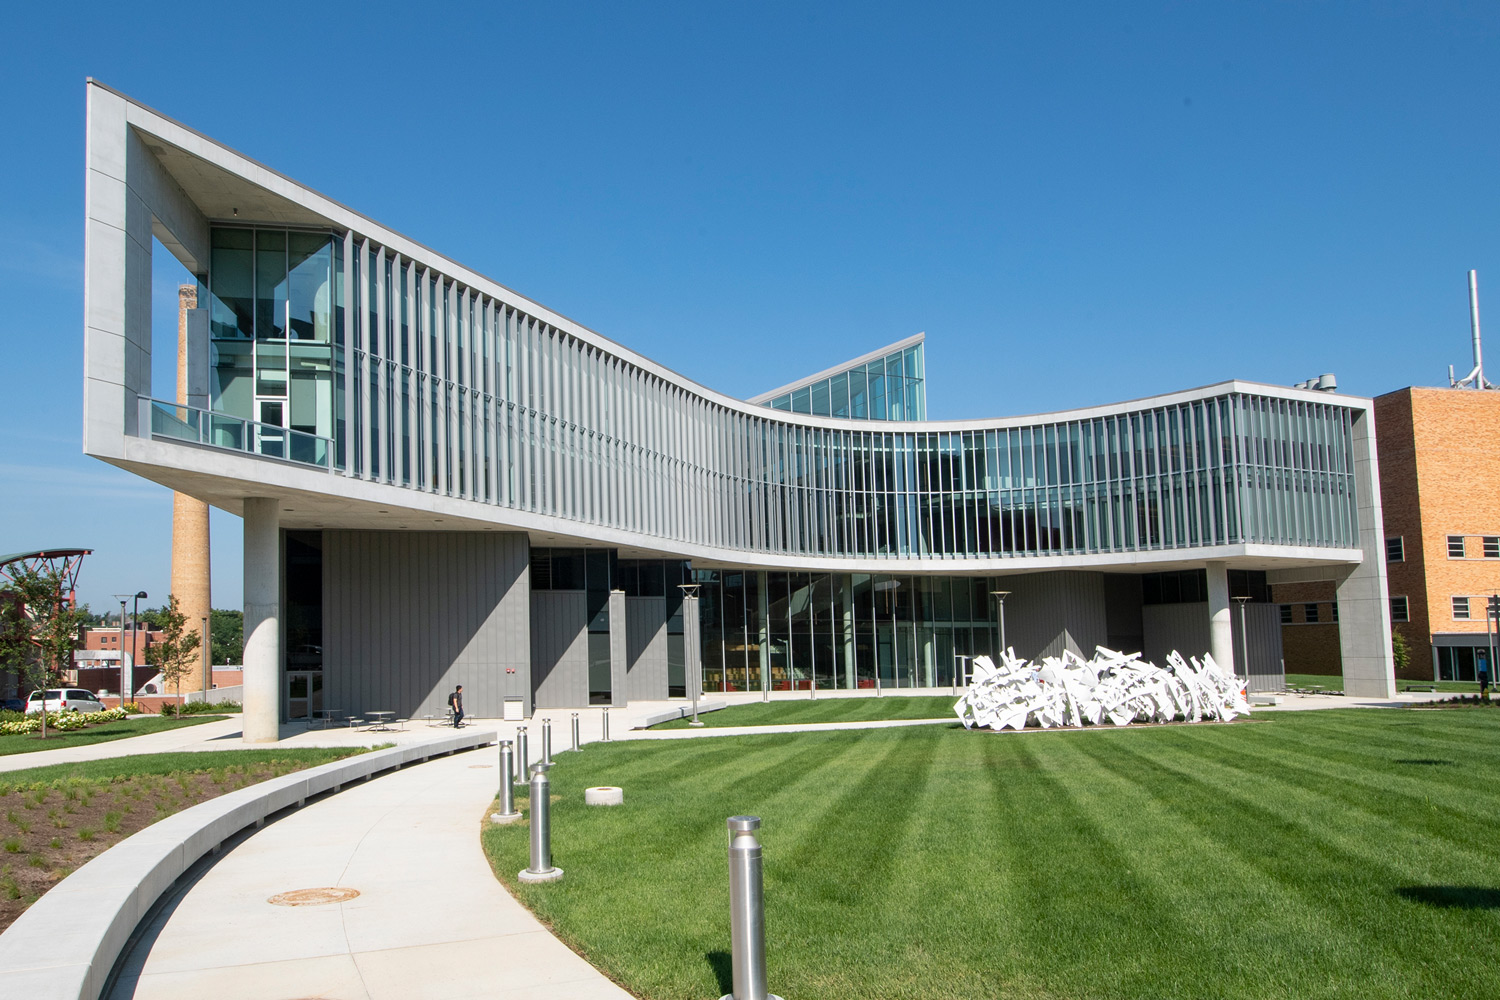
(1329, 854)
(1335, 682)
(31, 742)
(188, 761)
(824, 710)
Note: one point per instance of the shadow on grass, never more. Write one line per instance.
(1426, 761)
(1464, 897)
(720, 962)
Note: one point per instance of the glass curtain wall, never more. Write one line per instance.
(794, 631)
(458, 393)
(276, 329)
(888, 388)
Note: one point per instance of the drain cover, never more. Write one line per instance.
(313, 897)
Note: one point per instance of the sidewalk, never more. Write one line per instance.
(430, 919)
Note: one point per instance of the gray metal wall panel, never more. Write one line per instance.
(559, 648)
(1184, 628)
(646, 648)
(409, 615)
(1049, 612)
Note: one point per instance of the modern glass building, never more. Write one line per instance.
(445, 482)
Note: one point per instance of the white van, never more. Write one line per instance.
(64, 699)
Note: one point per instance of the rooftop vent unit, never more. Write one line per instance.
(1323, 383)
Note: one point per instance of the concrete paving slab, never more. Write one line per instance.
(430, 920)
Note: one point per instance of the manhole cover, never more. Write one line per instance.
(313, 897)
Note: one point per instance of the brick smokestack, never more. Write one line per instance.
(190, 552)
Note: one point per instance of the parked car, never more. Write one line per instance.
(64, 699)
(13, 705)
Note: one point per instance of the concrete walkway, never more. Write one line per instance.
(430, 919)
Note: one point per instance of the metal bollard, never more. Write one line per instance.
(508, 812)
(546, 741)
(747, 915)
(606, 725)
(541, 869)
(575, 731)
(523, 755)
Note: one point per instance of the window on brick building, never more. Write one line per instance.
(1400, 611)
(1333, 611)
(1461, 609)
(1455, 546)
(1310, 613)
(1286, 614)
(1492, 546)
(1395, 550)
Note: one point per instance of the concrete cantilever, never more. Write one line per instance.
(67, 943)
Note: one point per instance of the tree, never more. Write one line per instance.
(226, 636)
(39, 630)
(176, 651)
(1400, 651)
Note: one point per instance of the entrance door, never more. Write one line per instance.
(304, 693)
(271, 433)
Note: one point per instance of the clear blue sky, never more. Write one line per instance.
(1078, 203)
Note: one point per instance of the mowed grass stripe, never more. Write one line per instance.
(1460, 735)
(1452, 812)
(1338, 862)
(1223, 882)
(800, 712)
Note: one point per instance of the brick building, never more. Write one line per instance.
(1438, 454)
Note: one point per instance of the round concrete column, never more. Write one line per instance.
(1220, 624)
(262, 677)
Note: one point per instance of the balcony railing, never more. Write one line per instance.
(221, 430)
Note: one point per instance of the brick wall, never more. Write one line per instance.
(1438, 461)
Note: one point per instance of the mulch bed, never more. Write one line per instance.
(47, 831)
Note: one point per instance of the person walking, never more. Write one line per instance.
(456, 702)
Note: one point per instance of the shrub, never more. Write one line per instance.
(169, 709)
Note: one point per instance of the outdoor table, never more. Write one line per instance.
(327, 716)
(378, 722)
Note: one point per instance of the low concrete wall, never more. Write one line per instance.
(65, 946)
(685, 712)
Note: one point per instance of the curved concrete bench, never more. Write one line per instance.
(67, 943)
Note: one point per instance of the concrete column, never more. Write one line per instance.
(1364, 603)
(1220, 621)
(618, 624)
(262, 679)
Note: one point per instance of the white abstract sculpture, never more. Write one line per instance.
(1071, 691)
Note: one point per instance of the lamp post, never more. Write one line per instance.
(208, 669)
(691, 649)
(1492, 610)
(1000, 596)
(124, 684)
(1244, 640)
(135, 631)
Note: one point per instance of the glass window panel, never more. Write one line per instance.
(820, 404)
(839, 393)
(270, 285)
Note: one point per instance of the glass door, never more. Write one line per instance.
(304, 694)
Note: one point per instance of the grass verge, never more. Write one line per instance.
(1306, 855)
(787, 713)
(124, 728)
(55, 818)
(1335, 682)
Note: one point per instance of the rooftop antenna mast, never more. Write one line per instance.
(1475, 379)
